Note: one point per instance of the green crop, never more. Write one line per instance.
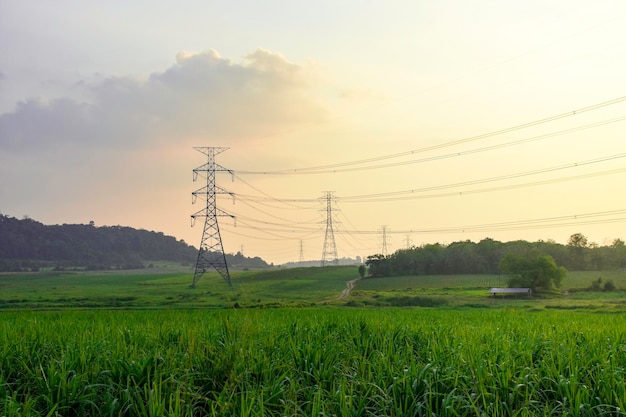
(312, 362)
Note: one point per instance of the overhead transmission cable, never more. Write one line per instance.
(272, 215)
(467, 152)
(279, 238)
(415, 193)
(492, 189)
(546, 222)
(271, 231)
(284, 225)
(282, 201)
(348, 232)
(332, 167)
(494, 179)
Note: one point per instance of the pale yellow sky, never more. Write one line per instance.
(99, 121)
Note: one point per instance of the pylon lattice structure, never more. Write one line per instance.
(384, 252)
(211, 253)
(329, 254)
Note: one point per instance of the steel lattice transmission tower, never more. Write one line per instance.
(329, 254)
(384, 252)
(211, 253)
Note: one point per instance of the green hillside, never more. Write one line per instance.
(169, 287)
(27, 245)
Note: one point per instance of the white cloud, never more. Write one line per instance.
(127, 143)
(201, 96)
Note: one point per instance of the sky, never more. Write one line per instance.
(425, 121)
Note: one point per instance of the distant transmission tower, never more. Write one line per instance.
(301, 252)
(329, 254)
(211, 253)
(384, 252)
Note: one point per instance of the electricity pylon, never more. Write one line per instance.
(329, 254)
(384, 240)
(211, 253)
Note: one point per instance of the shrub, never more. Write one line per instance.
(596, 285)
(362, 271)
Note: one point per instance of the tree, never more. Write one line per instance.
(362, 271)
(619, 253)
(490, 252)
(577, 240)
(577, 244)
(379, 265)
(404, 262)
(536, 272)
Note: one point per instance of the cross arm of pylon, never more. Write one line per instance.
(207, 190)
(212, 167)
(222, 213)
(200, 213)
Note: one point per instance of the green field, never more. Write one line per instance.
(145, 344)
(312, 362)
(170, 289)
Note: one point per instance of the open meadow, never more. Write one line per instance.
(145, 344)
(169, 288)
(312, 361)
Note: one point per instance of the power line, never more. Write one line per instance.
(271, 232)
(491, 179)
(282, 201)
(276, 217)
(492, 189)
(546, 222)
(415, 193)
(279, 230)
(470, 151)
(325, 168)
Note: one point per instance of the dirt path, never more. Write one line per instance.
(349, 286)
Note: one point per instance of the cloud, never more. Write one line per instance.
(201, 96)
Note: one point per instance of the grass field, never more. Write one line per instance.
(472, 291)
(145, 344)
(170, 288)
(312, 362)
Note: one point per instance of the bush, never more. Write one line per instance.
(596, 285)
(362, 271)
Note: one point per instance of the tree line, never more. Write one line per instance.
(467, 257)
(28, 245)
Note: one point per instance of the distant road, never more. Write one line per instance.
(349, 286)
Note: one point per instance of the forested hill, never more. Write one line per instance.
(27, 245)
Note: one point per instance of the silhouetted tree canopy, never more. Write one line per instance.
(27, 245)
(467, 257)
